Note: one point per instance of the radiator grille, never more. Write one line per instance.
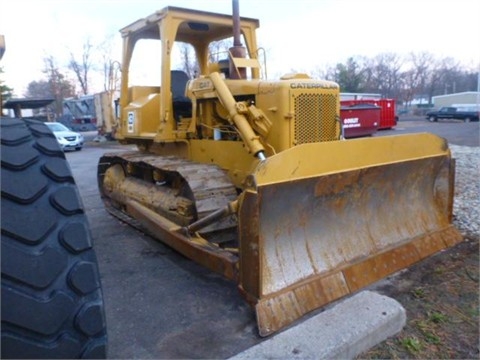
(315, 118)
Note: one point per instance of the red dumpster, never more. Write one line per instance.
(359, 119)
(388, 119)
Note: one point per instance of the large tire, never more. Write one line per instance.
(52, 305)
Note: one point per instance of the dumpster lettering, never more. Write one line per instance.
(351, 123)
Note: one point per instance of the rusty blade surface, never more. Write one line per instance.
(281, 309)
(312, 235)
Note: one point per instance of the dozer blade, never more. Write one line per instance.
(320, 221)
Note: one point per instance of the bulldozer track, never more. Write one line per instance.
(126, 219)
(206, 185)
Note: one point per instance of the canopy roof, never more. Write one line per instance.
(25, 103)
(194, 25)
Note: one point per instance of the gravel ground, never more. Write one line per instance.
(466, 206)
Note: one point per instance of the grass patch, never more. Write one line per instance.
(428, 332)
(437, 317)
(419, 292)
(411, 344)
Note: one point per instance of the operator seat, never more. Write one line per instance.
(182, 106)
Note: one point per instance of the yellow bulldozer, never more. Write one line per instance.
(252, 178)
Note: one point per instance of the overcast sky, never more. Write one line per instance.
(298, 34)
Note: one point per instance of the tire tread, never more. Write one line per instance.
(52, 303)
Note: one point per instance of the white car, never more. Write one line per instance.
(67, 138)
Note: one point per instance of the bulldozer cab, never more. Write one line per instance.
(166, 100)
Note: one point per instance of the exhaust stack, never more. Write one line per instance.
(238, 50)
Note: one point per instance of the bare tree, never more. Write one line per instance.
(419, 75)
(56, 86)
(450, 74)
(219, 49)
(439, 77)
(110, 68)
(324, 73)
(111, 75)
(416, 76)
(188, 60)
(387, 74)
(83, 67)
(467, 79)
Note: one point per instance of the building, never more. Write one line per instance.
(470, 98)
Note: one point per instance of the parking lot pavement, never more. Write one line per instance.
(455, 131)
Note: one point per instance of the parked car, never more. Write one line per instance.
(451, 112)
(67, 138)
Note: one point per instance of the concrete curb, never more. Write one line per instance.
(342, 332)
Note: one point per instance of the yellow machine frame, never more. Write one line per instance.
(313, 217)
